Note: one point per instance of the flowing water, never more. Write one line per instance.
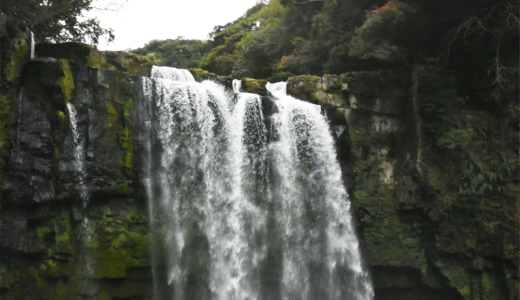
(321, 257)
(239, 216)
(33, 46)
(79, 156)
(84, 193)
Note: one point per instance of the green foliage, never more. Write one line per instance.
(379, 36)
(57, 20)
(178, 53)
(251, 45)
(391, 242)
(454, 138)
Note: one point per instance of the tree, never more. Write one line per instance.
(59, 20)
(178, 53)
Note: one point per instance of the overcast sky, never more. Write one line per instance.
(140, 21)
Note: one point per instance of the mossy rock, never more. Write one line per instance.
(121, 61)
(201, 75)
(362, 83)
(390, 242)
(78, 53)
(457, 275)
(82, 54)
(336, 115)
(254, 86)
(15, 39)
(20, 54)
(304, 87)
(55, 76)
(114, 254)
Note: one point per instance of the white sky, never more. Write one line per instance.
(140, 21)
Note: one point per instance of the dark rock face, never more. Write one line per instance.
(421, 239)
(42, 226)
(424, 237)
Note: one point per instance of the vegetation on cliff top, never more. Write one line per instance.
(177, 53)
(476, 42)
(59, 20)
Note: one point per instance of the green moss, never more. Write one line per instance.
(42, 232)
(390, 242)
(113, 116)
(120, 61)
(134, 217)
(361, 193)
(67, 81)
(106, 211)
(116, 254)
(61, 115)
(255, 86)
(117, 243)
(304, 87)
(126, 139)
(96, 62)
(457, 276)
(109, 229)
(201, 75)
(487, 282)
(94, 244)
(121, 186)
(454, 138)
(77, 53)
(36, 276)
(126, 144)
(56, 77)
(62, 228)
(7, 276)
(20, 55)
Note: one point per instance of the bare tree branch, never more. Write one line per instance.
(501, 72)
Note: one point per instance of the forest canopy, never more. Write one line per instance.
(178, 53)
(60, 20)
(284, 37)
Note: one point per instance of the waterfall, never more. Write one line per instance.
(146, 85)
(79, 169)
(321, 255)
(33, 45)
(208, 161)
(237, 86)
(241, 217)
(79, 158)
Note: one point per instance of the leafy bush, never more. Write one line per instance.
(178, 53)
(454, 138)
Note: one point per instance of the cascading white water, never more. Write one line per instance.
(79, 169)
(237, 86)
(79, 161)
(33, 46)
(172, 74)
(207, 161)
(278, 90)
(321, 257)
(147, 95)
(233, 227)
